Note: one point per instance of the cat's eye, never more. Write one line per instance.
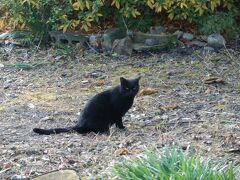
(126, 88)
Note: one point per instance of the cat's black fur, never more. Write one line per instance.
(103, 110)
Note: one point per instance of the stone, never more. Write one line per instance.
(150, 42)
(208, 142)
(164, 117)
(45, 158)
(123, 46)
(31, 158)
(84, 82)
(178, 33)
(1, 65)
(95, 42)
(216, 41)
(61, 174)
(111, 35)
(157, 30)
(188, 36)
(6, 85)
(18, 177)
(31, 106)
(95, 75)
(68, 37)
(139, 37)
(4, 35)
(58, 84)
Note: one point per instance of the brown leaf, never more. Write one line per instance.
(100, 82)
(147, 91)
(136, 151)
(169, 107)
(213, 79)
(125, 151)
(122, 151)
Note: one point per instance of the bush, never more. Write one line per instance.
(171, 164)
(41, 16)
(219, 22)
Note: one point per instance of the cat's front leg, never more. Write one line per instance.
(119, 124)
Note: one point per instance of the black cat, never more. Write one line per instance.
(103, 110)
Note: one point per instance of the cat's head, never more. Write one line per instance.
(129, 87)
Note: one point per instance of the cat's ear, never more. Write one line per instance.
(123, 81)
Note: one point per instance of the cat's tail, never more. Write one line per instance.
(53, 131)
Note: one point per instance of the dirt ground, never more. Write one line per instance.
(195, 104)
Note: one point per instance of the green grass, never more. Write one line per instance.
(172, 164)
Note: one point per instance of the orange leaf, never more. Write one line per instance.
(122, 151)
(147, 91)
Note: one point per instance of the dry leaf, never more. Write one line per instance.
(169, 107)
(213, 79)
(136, 151)
(125, 151)
(122, 151)
(99, 82)
(147, 91)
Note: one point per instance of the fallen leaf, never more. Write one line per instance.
(213, 79)
(122, 151)
(136, 151)
(125, 151)
(169, 107)
(100, 82)
(147, 91)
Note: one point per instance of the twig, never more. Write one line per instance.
(218, 113)
(237, 151)
(229, 122)
(124, 22)
(184, 122)
(92, 48)
(227, 51)
(4, 170)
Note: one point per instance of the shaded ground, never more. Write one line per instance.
(184, 111)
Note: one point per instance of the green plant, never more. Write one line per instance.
(171, 164)
(220, 22)
(63, 50)
(28, 15)
(42, 16)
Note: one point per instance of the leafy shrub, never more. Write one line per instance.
(189, 9)
(28, 14)
(44, 15)
(219, 22)
(172, 164)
